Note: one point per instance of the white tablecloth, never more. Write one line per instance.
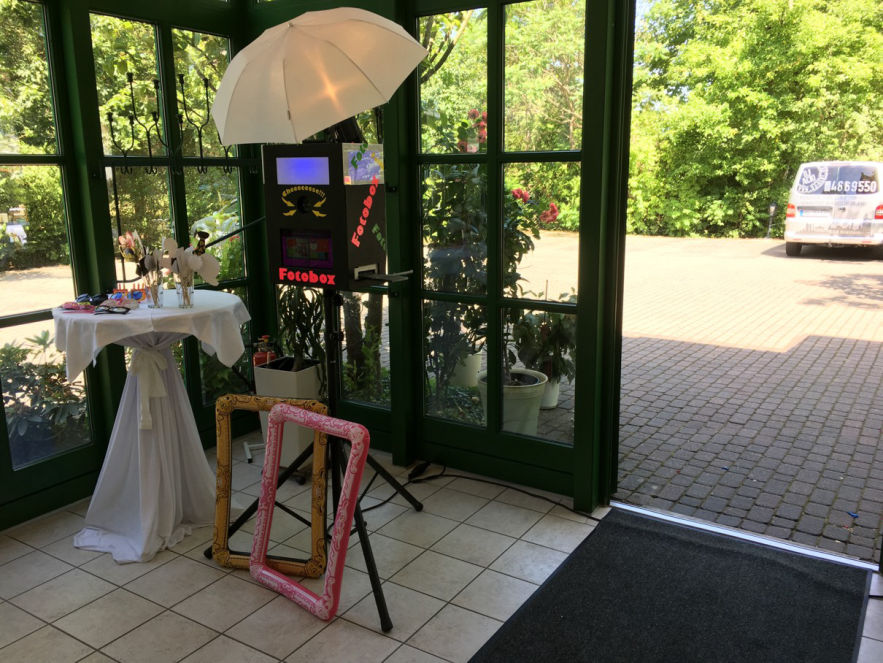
(155, 482)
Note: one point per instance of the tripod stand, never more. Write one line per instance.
(337, 458)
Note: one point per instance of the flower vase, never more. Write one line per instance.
(155, 292)
(184, 290)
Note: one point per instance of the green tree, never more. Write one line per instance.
(730, 96)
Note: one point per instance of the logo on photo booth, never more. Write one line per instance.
(298, 198)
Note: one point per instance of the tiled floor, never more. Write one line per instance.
(452, 575)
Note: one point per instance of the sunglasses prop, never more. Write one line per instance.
(324, 606)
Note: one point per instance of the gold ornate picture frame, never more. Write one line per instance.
(221, 553)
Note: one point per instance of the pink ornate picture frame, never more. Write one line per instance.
(324, 606)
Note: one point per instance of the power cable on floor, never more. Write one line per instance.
(415, 476)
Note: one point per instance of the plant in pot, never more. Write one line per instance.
(300, 371)
(523, 386)
(455, 261)
(546, 341)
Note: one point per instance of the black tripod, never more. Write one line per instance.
(337, 460)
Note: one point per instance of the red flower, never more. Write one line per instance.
(481, 125)
(462, 145)
(484, 116)
(482, 136)
(550, 215)
(473, 114)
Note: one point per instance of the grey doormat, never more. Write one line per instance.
(639, 589)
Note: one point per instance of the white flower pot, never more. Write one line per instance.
(550, 396)
(288, 384)
(466, 372)
(521, 403)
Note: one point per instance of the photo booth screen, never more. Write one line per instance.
(326, 213)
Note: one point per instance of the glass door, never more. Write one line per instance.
(46, 431)
(500, 185)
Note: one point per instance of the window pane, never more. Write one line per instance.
(35, 271)
(45, 414)
(218, 379)
(453, 340)
(202, 60)
(366, 350)
(544, 74)
(540, 240)
(26, 122)
(455, 228)
(139, 201)
(213, 207)
(122, 49)
(453, 82)
(539, 360)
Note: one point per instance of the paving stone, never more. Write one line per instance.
(810, 525)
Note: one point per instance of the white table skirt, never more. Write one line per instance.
(155, 483)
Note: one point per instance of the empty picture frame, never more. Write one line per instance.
(324, 606)
(221, 553)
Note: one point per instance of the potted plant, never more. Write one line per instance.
(300, 371)
(523, 386)
(455, 261)
(546, 342)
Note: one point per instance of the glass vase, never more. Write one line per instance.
(184, 290)
(154, 294)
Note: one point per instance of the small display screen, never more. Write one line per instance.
(307, 249)
(302, 170)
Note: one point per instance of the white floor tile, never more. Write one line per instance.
(48, 645)
(15, 624)
(390, 555)
(174, 582)
(528, 561)
(558, 533)
(408, 611)
(453, 504)
(109, 617)
(164, 639)
(119, 574)
(407, 654)
(11, 548)
(225, 602)
(474, 545)
(418, 528)
(495, 595)
(224, 650)
(277, 628)
(870, 651)
(505, 519)
(48, 529)
(345, 641)
(874, 619)
(437, 575)
(28, 571)
(63, 594)
(455, 634)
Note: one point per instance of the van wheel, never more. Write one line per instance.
(792, 248)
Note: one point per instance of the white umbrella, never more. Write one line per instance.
(310, 73)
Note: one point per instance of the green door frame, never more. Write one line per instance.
(587, 471)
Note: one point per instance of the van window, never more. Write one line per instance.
(831, 179)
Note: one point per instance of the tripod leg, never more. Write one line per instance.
(373, 575)
(253, 507)
(392, 481)
(338, 464)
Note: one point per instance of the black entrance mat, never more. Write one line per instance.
(640, 589)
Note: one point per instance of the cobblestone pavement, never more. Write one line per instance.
(752, 388)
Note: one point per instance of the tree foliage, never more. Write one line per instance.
(730, 96)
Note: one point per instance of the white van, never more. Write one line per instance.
(835, 203)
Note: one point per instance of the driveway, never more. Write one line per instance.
(752, 388)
